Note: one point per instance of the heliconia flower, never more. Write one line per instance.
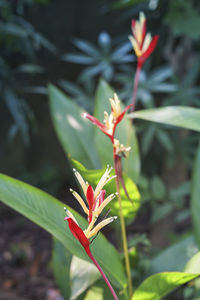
(96, 203)
(82, 238)
(120, 149)
(95, 198)
(110, 121)
(143, 43)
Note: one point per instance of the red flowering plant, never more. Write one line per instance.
(108, 127)
(143, 45)
(96, 202)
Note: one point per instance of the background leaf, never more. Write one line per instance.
(193, 265)
(47, 212)
(83, 275)
(181, 116)
(175, 256)
(159, 285)
(72, 129)
(61, 260)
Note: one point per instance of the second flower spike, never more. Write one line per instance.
(142, 42)
(110, 120)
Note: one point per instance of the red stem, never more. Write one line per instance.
(135, 85)
(102, 272)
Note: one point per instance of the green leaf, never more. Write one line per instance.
(61, 260)
(158, 188)
(161, 211)
(126, 3)
(174, 257)
(181, 116)
(83, 275)
(103, 144)
(195, 197)
(193, 265)
(79, 58)
(73, 131)
(183, 19)
(47, 212)
(159, 285)
(100, 291)
(87, 47)
(130, 208)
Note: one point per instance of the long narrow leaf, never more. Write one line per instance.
(47, 212)
(159, 285)
(181, 116)
(73, 131)
(61, 260)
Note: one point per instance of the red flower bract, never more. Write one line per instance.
(143, 43)
(78, 233)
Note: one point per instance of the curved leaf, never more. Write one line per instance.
(181, 116)
(159, 285)
(175, 256)
(193, 265)
(61, 260)
(73, 131)
(83, 275)
(47, 212)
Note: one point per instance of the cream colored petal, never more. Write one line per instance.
(108, 121)
(70, 215)
(142, 18)
(135, 46)
(104, 203)
(102, 182)
(115, 104)
(81, 201)
(81, 181)
(100, 226)
(138, 32)
(147, 42)
(90, 226)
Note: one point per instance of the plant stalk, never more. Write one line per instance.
(102, 273)
(135, 85)
(124, 238)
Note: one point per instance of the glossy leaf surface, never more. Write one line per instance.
(72, 129)
(180, 116)
(159, 285)
(47, 212)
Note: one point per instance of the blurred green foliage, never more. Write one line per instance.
(170, 77)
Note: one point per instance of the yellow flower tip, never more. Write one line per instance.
(142, 17)
(70, 215)
(104, 179)
(120, 148)
(81, 202)
(108, 121)
(147, 42)
(81, 181)
(99, 226)
(115, 104)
